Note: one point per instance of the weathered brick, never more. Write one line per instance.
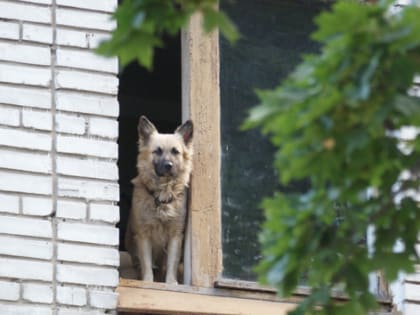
(33, 97)
(89, 104)
(85, 60)
(25, 161)
(37, 33)
(25, 226)
(103, 299)
(18, 309)
(37, 293)
(9, 291)
(70, 124)
(71, 296)
(25, 183)
(103, 127)
(88, 254)
(8, 203)
(37, 120)
(88, 189)
(85, 146)
(25, 12)
(37, 206)
(9, 116)
(87, 275)
(21, 247)
(24, 74)
(24, 53)
(80, 19)
(87, 233)
(25, 269)
(71, 209)
(24, 139)
(87, 168)
(104, 5)
(106, 213)
(9, 30)
(83, 81)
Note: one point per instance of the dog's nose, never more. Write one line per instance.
(168, 165)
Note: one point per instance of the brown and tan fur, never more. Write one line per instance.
(157, 219)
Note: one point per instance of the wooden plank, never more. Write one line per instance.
(201, 102)
(170, 302)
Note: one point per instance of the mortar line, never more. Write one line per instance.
(54, 153)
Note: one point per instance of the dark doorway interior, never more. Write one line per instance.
(156, 94)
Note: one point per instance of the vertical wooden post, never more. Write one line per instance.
(201, 102)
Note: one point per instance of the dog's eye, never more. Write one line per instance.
(158, 151)
(174, 151)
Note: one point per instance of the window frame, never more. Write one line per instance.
(206, 288)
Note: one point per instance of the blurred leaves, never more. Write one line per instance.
(143, 23)
(332, 121)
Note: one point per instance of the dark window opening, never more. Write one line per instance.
(155, 94)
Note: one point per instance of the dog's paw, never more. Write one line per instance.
(171, 280)
(148, 277)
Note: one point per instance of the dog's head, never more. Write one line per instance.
(168, 154)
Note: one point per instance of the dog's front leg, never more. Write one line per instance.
(174, 253)
(145, 253)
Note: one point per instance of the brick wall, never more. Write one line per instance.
(58, 151)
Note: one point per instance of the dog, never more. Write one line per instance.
(156, 224)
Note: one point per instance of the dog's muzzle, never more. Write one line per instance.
(164, 168)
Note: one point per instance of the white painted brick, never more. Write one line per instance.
(25, 12)
(85, 146)
(90, 20)
(70, 124)
(89, 104)
(83, 39)
(8, 203)
(37, 206)
(37, 293)
(25, 226)
(104, 5)
(25, 161)
(71, 296)
(9, 116)
(88, 189)
(84, 81)
(23, 247)
(9, 291)
(32, 97)
(106, 213)
(85, 60)
(37, 120)
(87, 233)
(23, 74)
(9, 30)
(411, 309)
(24, 53)
(24, 139)
(26, 183)
(37, 33)
(103, 127)
(88, 254)
(103, 299)
(19, 309)
(65, 311)
(87, 275)
(39, 1)
(82, 167)
(412, 291)
(71, 209)
(25, 269)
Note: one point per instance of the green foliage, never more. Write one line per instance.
(336, 120)
(143, 23)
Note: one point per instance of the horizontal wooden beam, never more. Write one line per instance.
(151, 300)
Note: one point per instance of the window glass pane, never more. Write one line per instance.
(275, 34)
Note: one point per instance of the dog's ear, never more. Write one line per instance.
(186, 131)
(145, 129)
